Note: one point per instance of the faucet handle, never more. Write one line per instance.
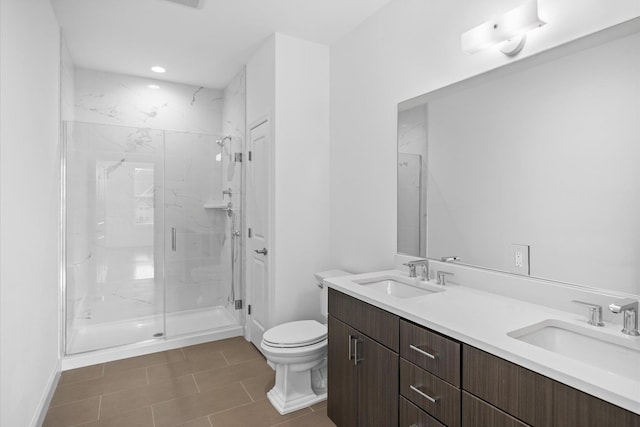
(424, 274)
(441, 275)
(595, 313)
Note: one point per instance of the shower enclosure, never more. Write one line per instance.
(152, 246)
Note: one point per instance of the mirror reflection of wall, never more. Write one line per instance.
(544, 154)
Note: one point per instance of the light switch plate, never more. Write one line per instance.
(519, 258)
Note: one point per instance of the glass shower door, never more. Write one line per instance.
(114, 199)
(197, 237)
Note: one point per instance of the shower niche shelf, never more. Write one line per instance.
(216, 204)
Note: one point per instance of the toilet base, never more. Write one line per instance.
(293, 389)
(291, 405)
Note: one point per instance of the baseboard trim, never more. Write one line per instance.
(45, 400)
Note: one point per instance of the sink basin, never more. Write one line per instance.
(614, 354)
(397, 287)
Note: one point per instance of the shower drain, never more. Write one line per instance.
(158, 334)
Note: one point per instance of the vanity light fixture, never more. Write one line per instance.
(508, 31)
(158, 69)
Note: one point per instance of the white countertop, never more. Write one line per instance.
(482, 319)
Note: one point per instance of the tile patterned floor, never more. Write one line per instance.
(217, 384)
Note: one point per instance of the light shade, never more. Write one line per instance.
(513, 24)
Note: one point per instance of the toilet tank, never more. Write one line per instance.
(324, 290)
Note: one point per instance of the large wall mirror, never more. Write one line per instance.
(539, 158)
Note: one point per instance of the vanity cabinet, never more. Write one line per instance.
(362, 363)
(515, 396)
(387, 371)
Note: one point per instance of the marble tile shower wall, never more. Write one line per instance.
(116, 99)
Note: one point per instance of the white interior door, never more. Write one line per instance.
(258, 222)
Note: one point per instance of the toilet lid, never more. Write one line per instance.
(296, 334)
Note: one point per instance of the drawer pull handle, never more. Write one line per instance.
(350, 352)
(426, 396)
(413, 347)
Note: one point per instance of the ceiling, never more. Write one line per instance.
(203, 47)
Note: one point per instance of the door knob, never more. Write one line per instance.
(262, 251)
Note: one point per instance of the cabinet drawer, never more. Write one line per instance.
(412, 416)
(477, 413)
(376, 323)
(516, 390)
(417, 343)
(437, 397)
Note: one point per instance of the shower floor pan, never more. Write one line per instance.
(113, 334)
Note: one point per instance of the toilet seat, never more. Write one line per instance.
(295, 334)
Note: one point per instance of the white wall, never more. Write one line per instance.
(67, 71)
(261, 82)
(29, 208)
(301, 176)
(408, 48)
(288, 79)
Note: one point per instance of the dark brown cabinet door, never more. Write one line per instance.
(377, 384)
(363, 373)
(341, 402)
(574, 408)
(520, 392)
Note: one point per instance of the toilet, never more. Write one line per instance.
(298, 353)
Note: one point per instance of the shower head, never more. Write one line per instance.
(220, 142)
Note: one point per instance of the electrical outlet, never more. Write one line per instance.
(519, 259)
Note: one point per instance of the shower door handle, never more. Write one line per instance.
(262, 251)
(173, 239)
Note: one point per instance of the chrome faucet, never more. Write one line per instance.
(595, 313)
(424, 272)
(629, 309)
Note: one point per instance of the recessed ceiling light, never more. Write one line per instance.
(153, 87)
(158, 69)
